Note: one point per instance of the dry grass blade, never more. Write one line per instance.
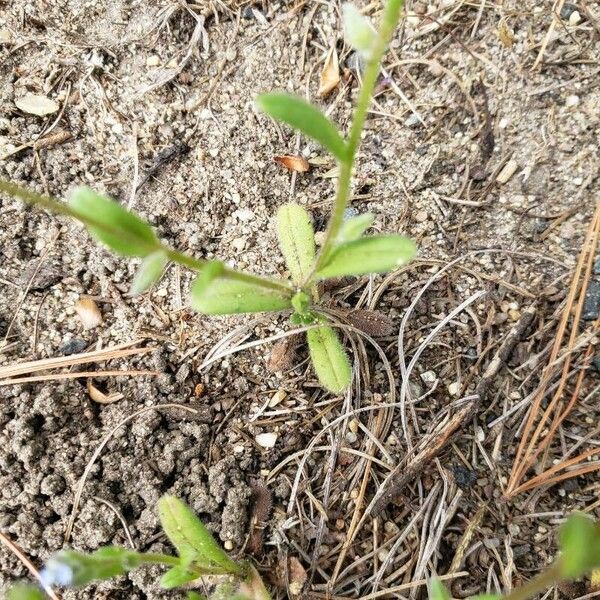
(535, 440)
(77, 375)
(44, 364)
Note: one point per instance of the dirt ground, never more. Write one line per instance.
(482, 145)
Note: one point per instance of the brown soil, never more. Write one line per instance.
(159, 95)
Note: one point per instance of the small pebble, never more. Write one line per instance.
(575, 18)
(591, 306)
(421, 216)
(239, 244)
(429, 377)
(228, 545)
(454, 388)
(152, 61)
(319, 238)
(572, 100)
(266, 440)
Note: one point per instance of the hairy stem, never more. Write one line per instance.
(538, 584)
(54, 206)
(388, 23)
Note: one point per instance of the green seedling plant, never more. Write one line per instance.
(198, 555)
(579, 543)
(345, 251)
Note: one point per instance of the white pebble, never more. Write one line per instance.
(266, 440)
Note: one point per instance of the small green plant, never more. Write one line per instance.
(198, 555)
(219, 289)
(579, 541)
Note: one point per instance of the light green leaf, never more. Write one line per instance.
(358, 31)
(437, 590)
(194, 596)
(375, 254)
(296, 240)
(176, 577)
(149, 272)
(306, 118)
(121, 230)
(23, 591)
(214, 294)
(69, 567)
(188, 534)
(329, 359)
(579, 545)
(301, 303)
(487, 597)
(353, 228)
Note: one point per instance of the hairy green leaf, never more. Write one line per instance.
(121, 230)
(24, 591)
(579, 545)
(306, 118)
(69, 567)
(194, 596)
(214, 294)
(301, 303)
(176, 577)
(358, 31)
(296, 240)
(354, 227)
(191, 538)
(329, 359)
(438, 591)
(149, 272)
(375, 254)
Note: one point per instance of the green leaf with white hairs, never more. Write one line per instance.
(176, 577)
(71, 568)
(24, 591)
(296, 240)
(375, 254)
(107, 221)
(149, 272)
(438, 591)
(358, 31)
(214, 293)
(306, 118)
(329, 359)
(354, 227)
(579, 545)
(191, 538)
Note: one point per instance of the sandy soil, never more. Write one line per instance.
(482, 145)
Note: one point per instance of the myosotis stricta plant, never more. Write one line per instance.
(346, 250)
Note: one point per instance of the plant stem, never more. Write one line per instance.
(538, 584)
(159, 559)
(388, 23)
(31, 197)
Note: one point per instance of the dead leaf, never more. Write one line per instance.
(505, 34)
(97, 396)
(293, 163)
(330, 75)
(372, 322)
(35, 104)
(284, 353)
(297, 576)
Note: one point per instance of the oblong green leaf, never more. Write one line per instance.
(213, 293)
(149, 272)
(579, 545)
(329, 359)
(358, 31)
(176, 577)
(296, 240)
(438, 591)
(354, 227)
(121, 230)
(306, 118)
(375, 254)
(69, 567)
(191, 538)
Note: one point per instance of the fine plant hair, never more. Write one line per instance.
(346, 250)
